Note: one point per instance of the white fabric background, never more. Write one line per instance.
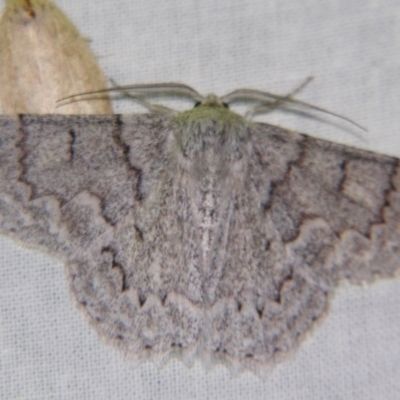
(47, 350)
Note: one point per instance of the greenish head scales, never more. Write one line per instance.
(210, 122)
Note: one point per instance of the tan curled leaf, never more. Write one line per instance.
(43, 58)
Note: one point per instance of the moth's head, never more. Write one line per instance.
(211, 101)
(210, 110)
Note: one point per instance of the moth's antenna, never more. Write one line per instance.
(149, 89)
(158, 108)
(180, 89)
(265, 108)
(265, 99)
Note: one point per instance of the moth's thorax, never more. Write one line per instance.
(210, 130)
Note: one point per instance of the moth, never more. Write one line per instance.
(199, 234)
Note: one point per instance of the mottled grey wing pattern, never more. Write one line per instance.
(224, 246)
